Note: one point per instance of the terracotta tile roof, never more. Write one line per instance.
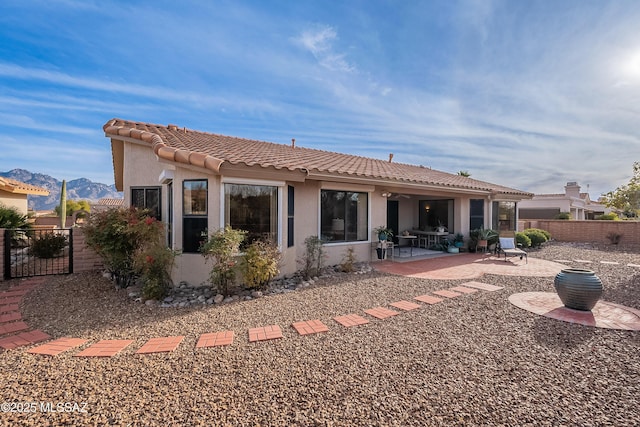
(17, 187)
(110, 202)
(211, 151)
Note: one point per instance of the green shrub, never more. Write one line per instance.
(563, 215)
(260, 263)
(523, 240)
(223, 247)
(540, 230)
(608, 217)
(537, 236)
(48, 245)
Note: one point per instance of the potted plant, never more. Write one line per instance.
(458, 240)
(384, 234)
(440, 228)
(483, 235)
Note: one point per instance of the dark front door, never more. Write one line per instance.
(392, 216)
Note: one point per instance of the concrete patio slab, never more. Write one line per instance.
(405, 305)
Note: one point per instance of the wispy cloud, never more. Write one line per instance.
(320, 42)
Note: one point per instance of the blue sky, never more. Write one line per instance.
(528, 94)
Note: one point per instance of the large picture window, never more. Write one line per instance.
(504, 216)
(147, 198)
(344, 216)
(253, 208)
(194, 214)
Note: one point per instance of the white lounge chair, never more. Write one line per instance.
(507, 246)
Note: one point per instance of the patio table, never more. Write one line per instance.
(411, 238)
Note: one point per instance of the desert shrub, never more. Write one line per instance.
(11, 218)
(563, 215)
(614, 238)
(348, 260)
(48, 245)
(223, 247)
(608, 217)
(523, 240)
(537, 236)
(260, 263)
(153, 263)
(121, 237)
(313, 257)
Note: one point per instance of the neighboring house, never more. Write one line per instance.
(14, 193)
(548, 206)
(104, 204)
(196, 181)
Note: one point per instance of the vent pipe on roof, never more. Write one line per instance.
(390, 157)
(172, 127)
(293, 143)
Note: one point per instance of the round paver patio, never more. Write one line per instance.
(604, 314)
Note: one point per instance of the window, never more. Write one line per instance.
(504, 216)
(435, 213)
(290, 215)
(147, 198)
(343, 216)
(194, 214)
(253, 208)
(476, 214)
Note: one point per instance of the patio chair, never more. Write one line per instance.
(508, 247)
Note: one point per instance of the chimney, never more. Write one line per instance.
(572, 189)
(390, 157)
(293, 143)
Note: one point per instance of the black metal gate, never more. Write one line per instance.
(37, 252)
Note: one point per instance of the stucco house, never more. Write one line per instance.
(197, 181)
(548, 206)
(14, 193)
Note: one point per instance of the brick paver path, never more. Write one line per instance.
(215, 339)
(104, 348)
(14, 331)
(264, 333)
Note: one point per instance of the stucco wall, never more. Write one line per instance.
(11, 200)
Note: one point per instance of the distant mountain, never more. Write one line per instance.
(77, 189)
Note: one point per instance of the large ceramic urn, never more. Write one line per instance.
(578, 288)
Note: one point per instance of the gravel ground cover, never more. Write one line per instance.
(473, 360)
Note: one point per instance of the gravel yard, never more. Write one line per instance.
(473, 360)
